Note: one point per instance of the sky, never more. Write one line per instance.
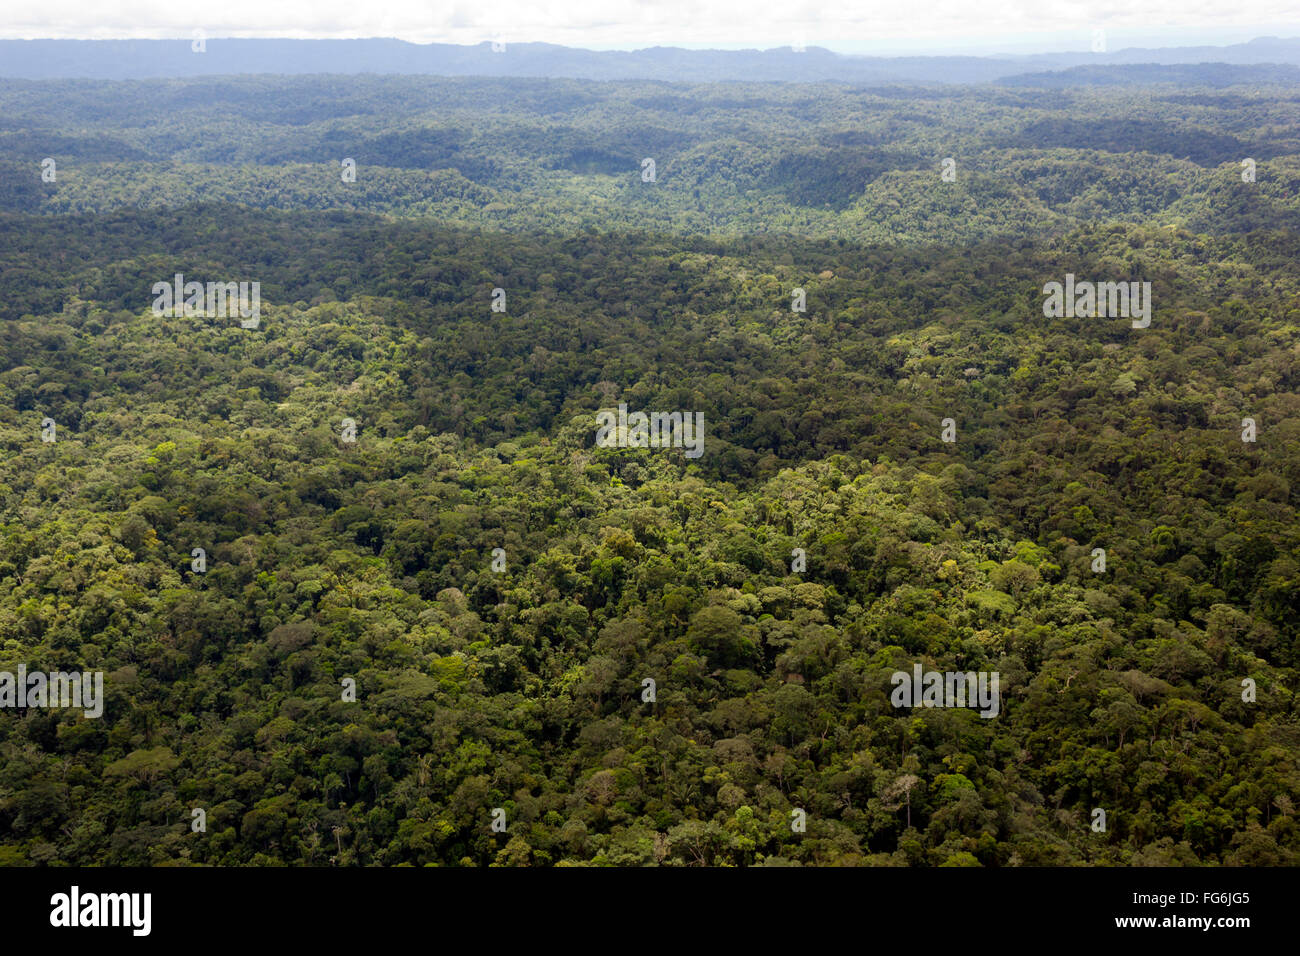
(846, 26)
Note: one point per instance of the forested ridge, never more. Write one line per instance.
(522, 689)
(822, 160)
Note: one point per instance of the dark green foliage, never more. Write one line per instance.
(523, 690)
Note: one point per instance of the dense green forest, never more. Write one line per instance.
(815, 160)
(378, 560)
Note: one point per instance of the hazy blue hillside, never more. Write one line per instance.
(137, 59)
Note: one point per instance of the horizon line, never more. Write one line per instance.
(684, 46)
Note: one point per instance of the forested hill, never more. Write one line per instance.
(826, 160)
(204, 56)
(521, 690)
(388, 483)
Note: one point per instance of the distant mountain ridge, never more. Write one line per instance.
(141, 59)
